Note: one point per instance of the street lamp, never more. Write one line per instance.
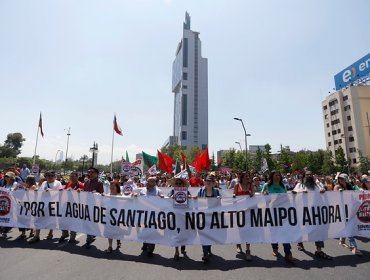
(83, 158)
(246, 145)
(94, 151)
(65, 163)
(240, 146)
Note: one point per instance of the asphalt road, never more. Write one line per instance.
(48, 259)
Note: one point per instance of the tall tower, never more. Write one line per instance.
(190, 88)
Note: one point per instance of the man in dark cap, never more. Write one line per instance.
(92, 185)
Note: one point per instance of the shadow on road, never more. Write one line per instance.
(185, 263)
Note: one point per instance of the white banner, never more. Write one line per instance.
(260, 219)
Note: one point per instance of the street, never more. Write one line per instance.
(48, 259)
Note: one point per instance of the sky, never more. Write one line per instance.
(270, 63)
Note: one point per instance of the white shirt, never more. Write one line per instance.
(56, 186)
(302, 188)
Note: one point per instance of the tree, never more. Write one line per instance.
(256, 162)
(328, 166)
(285, 161)
(340, 159)
(364, 166)
(12, 145)
(267, 154)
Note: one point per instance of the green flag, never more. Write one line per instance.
(127, 158)
(178, 167)
(149, 160)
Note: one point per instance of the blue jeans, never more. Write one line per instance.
(287, 248)
(352, 241)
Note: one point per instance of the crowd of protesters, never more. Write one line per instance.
(209, 183)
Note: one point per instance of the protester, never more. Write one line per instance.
(95, 186)
(30, 185)
(9, 181)
(178, 182)
(150, 190)
(115, 190)
(74, 185)
(51, 184)
(222, 182)
(196, 181)
(233, 180)
(343, 185)
(244, 187)
(365, 184)
(275, 185)
(310, 185)
(205, 192)
(25, 172)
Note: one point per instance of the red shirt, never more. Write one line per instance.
(196, 182)
(74, 186)
(240, 191)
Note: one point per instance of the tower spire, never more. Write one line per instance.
(187, 21)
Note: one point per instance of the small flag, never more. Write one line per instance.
(149, 160)
(165, 162)
(153, 170)
(40, 126)
(127, 158)
(117, 129)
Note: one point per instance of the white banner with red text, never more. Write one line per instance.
(259, 219)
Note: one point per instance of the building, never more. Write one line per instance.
(190, 88)
(254, 148)
(220, 154)
(346, 121)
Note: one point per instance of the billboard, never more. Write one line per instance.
(353, 72)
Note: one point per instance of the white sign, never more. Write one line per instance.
(180, 197)
(274, 218)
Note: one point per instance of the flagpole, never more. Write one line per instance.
(111, 157)
(37, 139)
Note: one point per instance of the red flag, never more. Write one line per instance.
(205, 159)
(117, 129)
(219, 162)
(183, 161)
(198, 162)
(40, 126)
(165, 162)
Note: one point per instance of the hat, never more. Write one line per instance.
(343, 176)
(173, 181)
(209, 178)
(151, 178)
(10, 174)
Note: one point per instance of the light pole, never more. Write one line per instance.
(65, 163)
(246, 145)
(83, 158)
(240, 146)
